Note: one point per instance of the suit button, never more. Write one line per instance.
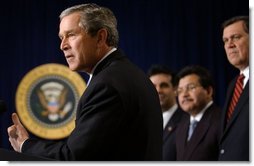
(222, 151)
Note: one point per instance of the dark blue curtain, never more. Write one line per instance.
(171, 32)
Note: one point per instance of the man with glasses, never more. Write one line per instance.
(197, 136)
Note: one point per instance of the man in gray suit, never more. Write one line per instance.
(118, 116)
(234, 143)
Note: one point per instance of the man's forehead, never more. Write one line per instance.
(236, 28)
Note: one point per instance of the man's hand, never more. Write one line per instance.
(17, 133)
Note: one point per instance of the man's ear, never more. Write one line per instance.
(102, 35)
(210, 91)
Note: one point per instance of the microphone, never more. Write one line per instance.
(2, 106)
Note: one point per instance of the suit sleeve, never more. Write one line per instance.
(100, 116)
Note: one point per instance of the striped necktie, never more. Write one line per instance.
(236, 95)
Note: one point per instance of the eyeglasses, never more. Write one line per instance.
(189, 88)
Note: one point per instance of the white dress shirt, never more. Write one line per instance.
(168, 114)
(199, 116)
(246, 74)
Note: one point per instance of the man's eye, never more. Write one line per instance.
(225, 40)
(236, 37)
(164, 85)
(60, 37)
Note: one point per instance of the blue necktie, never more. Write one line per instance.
(192, 126)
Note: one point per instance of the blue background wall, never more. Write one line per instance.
(175, 33)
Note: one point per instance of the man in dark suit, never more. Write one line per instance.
(234, 143)
(118, 116)
(164, 82)
(197, 136)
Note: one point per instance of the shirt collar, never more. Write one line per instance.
(201, 113)
(91, 74)
(246, 74)
(168, 114)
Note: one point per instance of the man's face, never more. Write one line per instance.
(236, 44)
(80, 49)
(165, 89)
(191, 95)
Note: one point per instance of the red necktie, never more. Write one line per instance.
(236, 95)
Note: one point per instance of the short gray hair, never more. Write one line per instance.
(93, 18)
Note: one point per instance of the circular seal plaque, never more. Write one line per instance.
(47, 98)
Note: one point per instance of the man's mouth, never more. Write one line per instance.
(69, 57)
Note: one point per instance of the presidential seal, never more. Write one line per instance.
(47, 98)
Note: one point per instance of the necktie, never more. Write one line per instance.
(236, 95)
(192, 126)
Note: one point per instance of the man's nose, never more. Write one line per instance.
(64, 45)
(230, 43)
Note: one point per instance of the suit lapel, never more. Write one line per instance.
(168, 130)
(243, 98)
(199, 132)
(108, 60)
(227, 102)
(116, 55)
(172, 124)
(181, 140)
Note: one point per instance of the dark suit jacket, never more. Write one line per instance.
(204, 143)
(234, 143)
(118, 118)
(169, 140)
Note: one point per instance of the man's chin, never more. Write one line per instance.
(72, 67)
